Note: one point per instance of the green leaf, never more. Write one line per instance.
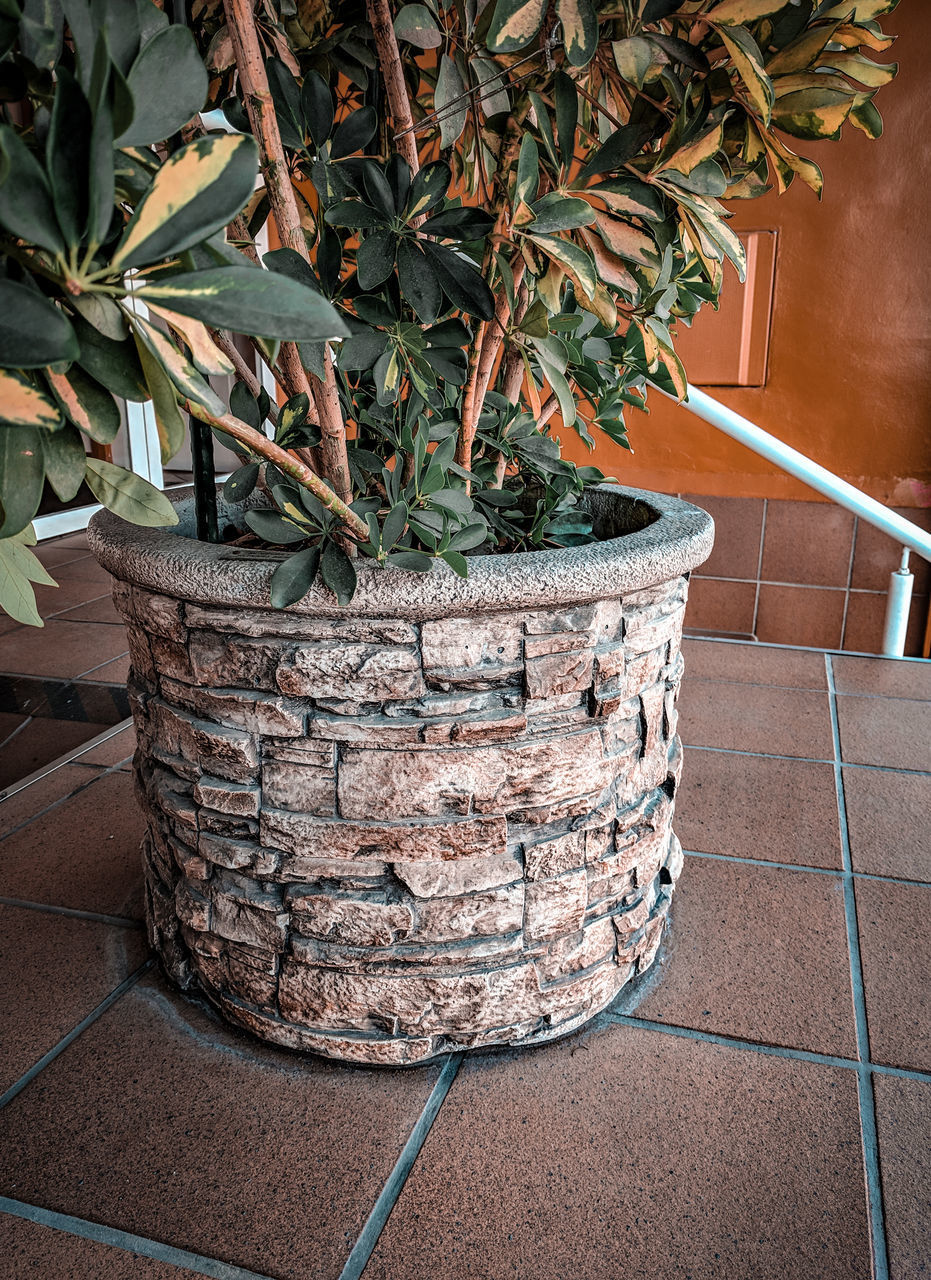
(428, 188)
(67, 156)
(26, 206)
(465, 223)
(338, 572)
(418, 281)
(86, 403)
(658, 9)
(514, 25)
(317, 106)
(528, 170)
(394, 526)
(168, 83)
(556, 212)
(286, 95)
(196, 192)
(355, 214)
(33, 331)
(375, 257)
(415, 561)
(19, 568)
(580, 30)
(261, 303)
(387, 376)
(631, 196)
(620, 147)
(114, 364)
(294, 577)
(169, 420)
(468, 538)
(274, 528)
(23, 405)
(462, 283)
(238, 486)
(354, 133)
(128, 495)
(65, 461)
(103, 314)
(567, 115)
(450, 90)
(865, 117)
(415, 24)
(360, 350)
(22, 475)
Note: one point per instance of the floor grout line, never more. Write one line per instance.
(770, 1050)
(101, 771)
(797, 688)
(69, 756)
(802, 866)
(801, 648)
(865, 1089)
(98, 917)
(769, 755)
(73, 1034)
(125, 1240)
(368, 1237)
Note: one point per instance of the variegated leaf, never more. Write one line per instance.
(23, 405)
(576, 262)
(626, 241)
(748, 61)
(515, 24)
(695, 153)
(863, 70)
(580, 30)
(813, 113)
(803, 52)
(180, 370)
(169, 420)
(627, 196)
(850, 36)
(860, 10)
(196, 191)
(738, 12)
(611, 269)
(206, 355)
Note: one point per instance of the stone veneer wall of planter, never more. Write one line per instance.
(438, 818)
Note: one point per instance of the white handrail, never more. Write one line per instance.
(909, 535)
(812, 473)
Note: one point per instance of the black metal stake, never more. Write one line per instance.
(205, 481)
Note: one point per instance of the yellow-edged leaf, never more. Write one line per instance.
(738, 12)
(803, 52)
(576, 262)
(24, 405)
(626, 241)
(689, 157)
(601, 305)
(579, 29)
(515, 24)
(181, 372)
(206, 355)
(611, 269)
(813, 113)
(748, 62)
(196, 191)
(861, 10)
(863, 70)
(169, 420)
(549, 288)
(850, 35)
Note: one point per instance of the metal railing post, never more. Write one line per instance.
(898, 602)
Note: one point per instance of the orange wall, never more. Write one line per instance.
(849, 379)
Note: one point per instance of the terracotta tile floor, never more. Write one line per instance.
(759, 1108)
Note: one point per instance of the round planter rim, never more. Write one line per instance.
(677, 537)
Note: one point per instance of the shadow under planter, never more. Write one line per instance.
(436, 818)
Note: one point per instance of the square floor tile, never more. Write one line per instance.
(116, 750)
(62, 649)
(83, 853)
(895, 950)
(100, 610)
(903, 1123)
(54, 970)
(160, 1122)
(754, 664)
(25, 805)
(756, 718)
(40, 743)
(629, 1153)
(757, 807)
(810, 616)
(889, 677)
(114, 672)
(36, 1252)
(895, 732)
(758, 953)
(720, 605)
(889, 821)
(866, 618)
(807, 542)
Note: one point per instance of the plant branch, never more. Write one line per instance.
(284, 461)
(389, 60)
(225, 344)
(264, 123)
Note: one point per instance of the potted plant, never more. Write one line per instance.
(405, 692)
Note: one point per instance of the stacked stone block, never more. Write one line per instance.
(381, 839)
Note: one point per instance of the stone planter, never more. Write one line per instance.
(437, 818)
